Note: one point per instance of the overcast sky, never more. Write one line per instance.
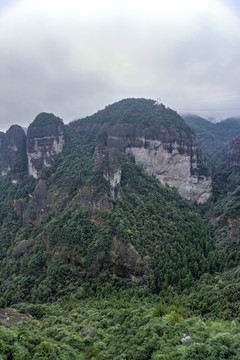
(74, 57)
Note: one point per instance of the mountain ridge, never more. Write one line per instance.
(155, 137)
(212, 137)
(105, 260)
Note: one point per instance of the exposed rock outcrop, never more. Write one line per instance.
(233, 152)
(41, 202)
(45, 141)
(12, 148)
(125, 260)
(105, 160)
(20, 249)
(172, 156)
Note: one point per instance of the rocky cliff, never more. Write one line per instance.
(153, 136)
(156, 139)
(12, 148)
(45, 140)
(233, 152)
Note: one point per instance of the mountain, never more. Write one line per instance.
(107, 240)
(157, 139)
(91, 201)
(213, 137)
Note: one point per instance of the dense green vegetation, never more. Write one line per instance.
(141, 112)
(123, 275)
(44, 119)
(223, 158)
(226, 209)
(118, 326)
(74, 168)
(213, 137)
(168, 243)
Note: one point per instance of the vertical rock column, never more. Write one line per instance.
(45, 141)
(12, 148)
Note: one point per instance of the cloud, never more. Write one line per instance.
(74, 57)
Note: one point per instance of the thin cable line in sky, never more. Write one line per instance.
(209, 109)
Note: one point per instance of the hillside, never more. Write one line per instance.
(213, 137)
(157, 139)
(91, 208)
(74, 230)
(224, 215)
(223, 147)
(141, 112)
(101, 234)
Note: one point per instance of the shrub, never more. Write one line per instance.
(160, 311)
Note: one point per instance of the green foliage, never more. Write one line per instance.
(213, 137)
(95, 328)
(165, 244)
(74, 168)
(45, 119)
(140, 112)
(226, 209)
(160, 311)
(110, 261)
(217, 295)
(91, 352)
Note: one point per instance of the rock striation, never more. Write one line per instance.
(12, 148)
(165, 148)
(172, 157)
(45, 141)
(153, 136)
(105, 161)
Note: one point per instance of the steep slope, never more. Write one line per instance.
(95, 218)
(130, 264)
(213, 137)
(157, 139)
(12, 148)
(225, 211)
(153, 136)
(45, 140)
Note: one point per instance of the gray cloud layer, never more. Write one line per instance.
(74, 57)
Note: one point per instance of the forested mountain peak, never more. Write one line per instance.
(44, 119)
(136, 111)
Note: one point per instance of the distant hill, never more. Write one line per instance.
(213, 137)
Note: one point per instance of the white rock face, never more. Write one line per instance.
(44, 152)
(5, 170)
(172, 168)
(114, 179)
(112, 172)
